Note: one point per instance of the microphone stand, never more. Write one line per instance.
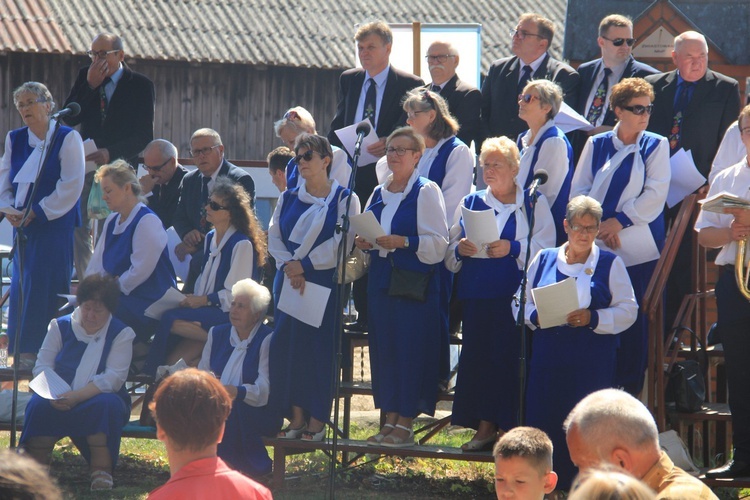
(18, 251)
(521, 317)
(338, 329)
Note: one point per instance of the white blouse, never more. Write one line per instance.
(731, 150)
(553, 157)
(118, 361)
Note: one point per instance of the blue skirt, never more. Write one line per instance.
(242, 445)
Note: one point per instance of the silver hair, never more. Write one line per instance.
(165, 148)
(453, 51)
(550, 94)
(207, 132)
(687, 36)
(583, 205)
(36, 88)
(259, 295)
(298, 119)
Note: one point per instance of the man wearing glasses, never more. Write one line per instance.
(190, 219)
(117, 112)
(162, 182)
(507, 77)
(464, 100)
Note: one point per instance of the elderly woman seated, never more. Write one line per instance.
(237, 353)
(90, 350)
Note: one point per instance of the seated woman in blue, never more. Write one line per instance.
(90, 350)
(234, 249)
(576, 358)
(237, 354)
(132, 248)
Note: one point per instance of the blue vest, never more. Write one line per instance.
(439, 163)
(221, 350)
(287, 221)
(225, 263)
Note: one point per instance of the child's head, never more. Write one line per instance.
(523, 464)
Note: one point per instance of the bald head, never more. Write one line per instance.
(690, 55)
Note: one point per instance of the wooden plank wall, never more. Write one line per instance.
(241, 102)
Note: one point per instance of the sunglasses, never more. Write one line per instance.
(156, 169)
(617, 42)
(307, 156)
(639, 110)
(527, 98)
(215, 206)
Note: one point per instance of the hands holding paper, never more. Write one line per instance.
(579, 317)
(495, 250)
(66, 402)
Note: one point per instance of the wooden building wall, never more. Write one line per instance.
(241, 102)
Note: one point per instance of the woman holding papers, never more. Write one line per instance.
(404, 331)
(576, 357)
(237, 354)
(489, 272)
(295, 122)
(545, 146)
(132, 248)
(90, 352)
(627, 170)
(302, 237)
(48, 249)
(234, 249)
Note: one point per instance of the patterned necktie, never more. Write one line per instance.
(681, 104)
(103, 101)
(205, 226)
(370, 102)
(600, 98)
(436, 89)
(525, 77)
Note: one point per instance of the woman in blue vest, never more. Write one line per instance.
(302, 237)
(48, 249)
(234, 249)
(627, 170)
(90, 350)
(488, 275)
(404, 334)
(237, 354)
(133, 248)
(545, 147)
(576, 358)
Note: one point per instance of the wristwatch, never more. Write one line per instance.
(209, 303)
(406, 242)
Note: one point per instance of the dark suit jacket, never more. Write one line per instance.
(590, 71)
(188, 213)
(164, 198)
(500, 93)
(465, 104)
(391, 115)
(714, 106)
(129, 125)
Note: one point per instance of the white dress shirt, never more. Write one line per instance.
(731, 151)
(553, 157)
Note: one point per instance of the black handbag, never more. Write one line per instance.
(408, 284)
(686, 386)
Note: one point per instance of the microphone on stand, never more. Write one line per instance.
(72, 109)
(363, 128)
(540, 177)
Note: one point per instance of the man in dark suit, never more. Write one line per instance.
(375, 92)
(464, 100)
(507, 77)
(616, 43)
(190, 219)
(117, 112)
(163, 181)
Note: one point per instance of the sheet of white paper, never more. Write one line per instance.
(568, 119)
(308, 307)
(368, 227)
(481, 229)
(72, 300)
(348, 137)
(170, 300)
(636, 246)
(89, 146)
(685, 177)
(181, 269)
(49, 385)
(719, 202)
(10, 211)
(554, 302)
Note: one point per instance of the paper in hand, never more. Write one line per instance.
(367, 226)
(348, 138)
(49, 385)
(170, 300)
(554, 302)
(481, 229)
(308, 307)
(10, 211)
(568, 119)
(685, 177)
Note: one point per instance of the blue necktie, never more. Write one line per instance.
(525, 77)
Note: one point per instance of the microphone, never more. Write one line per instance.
(540, 177)
(363, 128)
(72, 109)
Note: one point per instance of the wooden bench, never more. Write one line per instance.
(701, 431)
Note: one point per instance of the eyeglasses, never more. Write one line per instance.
(440, 58)
(397, 151)
(527, 98)
(27, 104)
(215, 206)
(195, 153)
(156, 169)
(523, 34)
(307, 156)
(101, 54)
(617, 42)
(584, 229)
(413, 114)
(639, 110)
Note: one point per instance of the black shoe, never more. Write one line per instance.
(357, 326)
(730, 470)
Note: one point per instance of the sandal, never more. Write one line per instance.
(397, 442)
(378, 438)
(289, 433)
(480, 444)
(314, 436)
(101, 480)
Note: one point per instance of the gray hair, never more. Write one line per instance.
(581, 206)
(689, 36)
(609, 418)
(298, 119)
(452, 51)
(550, 94)
(207, 132)
(121, 173)
(165, 148)
(36, 88)
(259, 295)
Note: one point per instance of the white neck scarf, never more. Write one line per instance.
(581, 272)
(232, 374)
(504, 211)
(391, 202)
(310, 223)
(94, 349)
(27, 174)
(207, 279)
(603, 178)
(527, 153)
